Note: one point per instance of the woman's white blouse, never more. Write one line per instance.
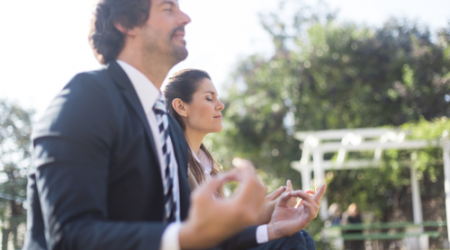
(204, 162)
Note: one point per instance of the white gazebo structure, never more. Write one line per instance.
(317, 143)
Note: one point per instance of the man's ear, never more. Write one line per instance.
(124, 30)
(179, 107)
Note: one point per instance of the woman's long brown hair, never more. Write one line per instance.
(182, 85)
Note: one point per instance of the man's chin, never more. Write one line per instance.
(180, 54)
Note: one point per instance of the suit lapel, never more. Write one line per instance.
(178, 141)
(124, 83)
(121, 79)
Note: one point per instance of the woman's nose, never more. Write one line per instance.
(220, 106)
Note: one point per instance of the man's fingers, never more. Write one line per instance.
(232, 175)
(251, 192)
(318, 196)
(272, 196)
(240, 163)
(215, 183)
(244, 168)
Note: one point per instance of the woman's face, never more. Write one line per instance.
(203, 114)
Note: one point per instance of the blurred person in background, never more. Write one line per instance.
(192, 99)
(335, 214)
(352, 216)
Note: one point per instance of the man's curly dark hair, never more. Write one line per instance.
(105, 39)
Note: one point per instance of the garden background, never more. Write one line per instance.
(323, 74)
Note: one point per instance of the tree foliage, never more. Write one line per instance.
(326, 74)
(15, 132)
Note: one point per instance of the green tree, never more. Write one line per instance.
(15, 131)
(330, 75)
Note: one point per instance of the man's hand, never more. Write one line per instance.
(212, 220)
(288, 220)
(269, 205)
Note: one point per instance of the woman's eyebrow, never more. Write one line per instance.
(212, 92)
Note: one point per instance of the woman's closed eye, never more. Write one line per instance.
(168, 7)
(209, 99)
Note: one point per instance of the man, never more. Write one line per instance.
(110, 166)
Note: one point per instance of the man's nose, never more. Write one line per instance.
(185, 19)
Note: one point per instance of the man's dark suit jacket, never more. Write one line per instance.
(95, 181)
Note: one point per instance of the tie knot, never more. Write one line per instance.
(160, 105)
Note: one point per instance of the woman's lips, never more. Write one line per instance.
(219, 117)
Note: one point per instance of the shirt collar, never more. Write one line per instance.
(205, 162)
(195, 155)
(147, 92)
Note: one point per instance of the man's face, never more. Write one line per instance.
(163, 33)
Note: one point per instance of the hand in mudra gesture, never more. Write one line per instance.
(287, 220)
(212, 220)
(293, 200)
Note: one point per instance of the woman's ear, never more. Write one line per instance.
(179, 107)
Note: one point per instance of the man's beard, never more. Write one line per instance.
(165, 51)
(179, 53)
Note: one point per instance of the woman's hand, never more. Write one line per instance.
(212, 220)
(271, 199)
(287, 220)
(269, 205)
(300, 201)
(293, 200)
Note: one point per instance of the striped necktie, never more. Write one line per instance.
(170, 198)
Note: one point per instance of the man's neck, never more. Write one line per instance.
(155, 72)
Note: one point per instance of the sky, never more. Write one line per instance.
(44, 43)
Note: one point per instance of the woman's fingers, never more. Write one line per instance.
(310, 192)
(312, 197)
(318, 195)
(288, 186)
(293, 201)
(285, 198)
(313, 208)
(303, 195)
(299, 203)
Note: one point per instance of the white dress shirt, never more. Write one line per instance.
(148, 95)
(262, 236)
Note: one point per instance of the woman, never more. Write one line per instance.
(353, 216)
(192, 100)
